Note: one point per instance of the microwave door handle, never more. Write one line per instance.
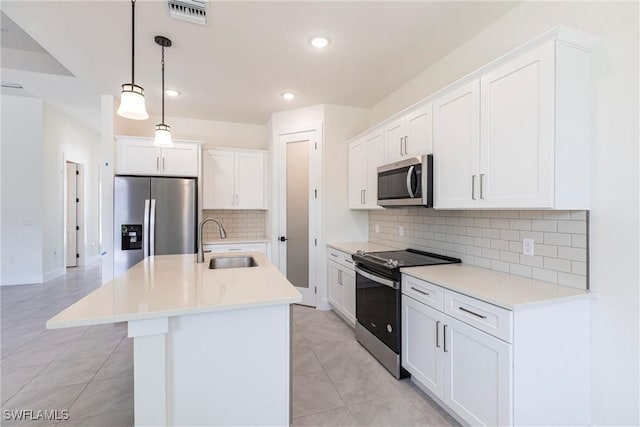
(409, 186)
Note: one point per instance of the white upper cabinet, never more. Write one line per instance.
(365, 155)
(233, 179)
(519, 138)
(455, 151)
(517, 132)
(410, 135)
(138, 156)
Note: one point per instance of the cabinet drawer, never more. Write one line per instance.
(341, 258)
(484, 316)
(422, 291)
(244, 247)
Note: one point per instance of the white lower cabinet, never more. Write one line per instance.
(341, 284)
(491, 366)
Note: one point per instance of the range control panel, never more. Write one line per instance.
(131, 236)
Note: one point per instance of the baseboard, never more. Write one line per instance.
(22, 279)
(53, 274)
(323, 304)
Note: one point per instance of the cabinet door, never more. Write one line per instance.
(349, 294)
(375, 158)
(138, 157)
(422, 344)
(478, 375)
(419, 130)
(357, 174)
(249, 193)
(394, 134)
(455, 147)
(218, 191)
(334, 286)
(517, 141)
(180, 160)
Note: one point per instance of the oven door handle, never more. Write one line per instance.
(390, 283)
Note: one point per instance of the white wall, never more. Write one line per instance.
(213, 133)
(107, 154)
(66, 139)
(614, 232)
(22, 190)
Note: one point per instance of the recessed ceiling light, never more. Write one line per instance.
(319, 42)
(170, 92)
(288, 95)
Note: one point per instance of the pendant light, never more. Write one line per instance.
(132, 96)
(163, 131)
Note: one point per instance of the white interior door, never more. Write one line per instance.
(298, 217)
(72, 214)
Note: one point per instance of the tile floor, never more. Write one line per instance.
(89, 371)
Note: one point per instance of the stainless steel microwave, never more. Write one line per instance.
(406, 183)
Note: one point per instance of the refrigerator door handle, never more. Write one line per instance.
(145, 229)
(152, 228)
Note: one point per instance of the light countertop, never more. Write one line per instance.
(175, 285)
(238, 240)
(353, 247)
(504, 290)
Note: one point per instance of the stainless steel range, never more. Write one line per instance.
(378, 297)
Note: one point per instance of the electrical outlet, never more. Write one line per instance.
(377, 228)
(527, 247)
(400, 231)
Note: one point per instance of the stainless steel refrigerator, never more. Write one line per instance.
(153, 216)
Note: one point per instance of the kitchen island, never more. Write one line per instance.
(211, 347)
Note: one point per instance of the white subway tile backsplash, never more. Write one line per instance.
(520, 224)
(493, 239)
(544, 225)
(577, 227)
(237, 223)
(559, 239)
(574, 254)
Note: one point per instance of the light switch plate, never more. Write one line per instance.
(527, 247)
(400, 231)
(377, 228)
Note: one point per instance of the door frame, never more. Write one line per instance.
(314, 136)
(80, 213)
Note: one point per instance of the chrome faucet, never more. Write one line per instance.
(223, 235)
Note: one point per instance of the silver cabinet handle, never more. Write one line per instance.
(406, 144)
(444, 337)
(473, 187)
(163, 167)
(145, 229)
(364, 193)
(420, 291)
(409, 175)
(340, 277)
(235, 249)
(481, 179)
(334, 255)
(401, 138)
(237, 200)
(157, 163)
(438, 334)
(362, 197)
(471, 312)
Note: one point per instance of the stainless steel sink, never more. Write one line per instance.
(232, 262)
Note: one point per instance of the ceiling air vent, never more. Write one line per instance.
(189, 10)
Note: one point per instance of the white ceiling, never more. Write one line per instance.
(235, 67)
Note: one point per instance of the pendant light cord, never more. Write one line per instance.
(133, 39)
(162, 84)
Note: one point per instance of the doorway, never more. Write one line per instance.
(73, 214)
(298, 222)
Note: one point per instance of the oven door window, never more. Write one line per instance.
(402, 183)
(378, 310)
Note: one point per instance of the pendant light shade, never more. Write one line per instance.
(163, 136)
(132, 104)
(163, 131)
